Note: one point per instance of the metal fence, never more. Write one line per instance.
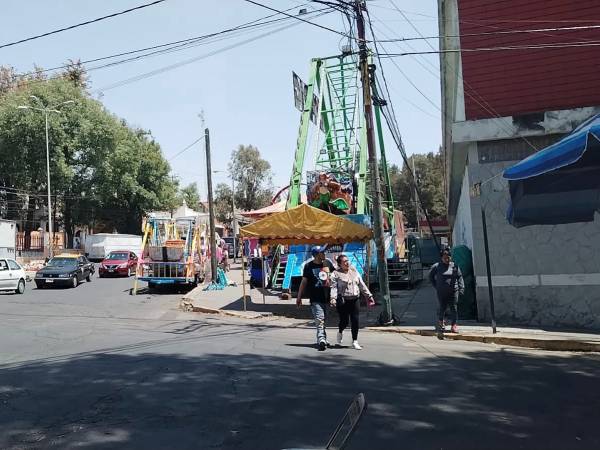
(166, 270)
(29, 242)
(36, 242)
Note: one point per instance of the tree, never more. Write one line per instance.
(190, 195)
(222, 203)
(429, 171)
(252, 176)
(103, 172)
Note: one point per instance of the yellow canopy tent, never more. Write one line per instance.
(306, 225)
(303, 225)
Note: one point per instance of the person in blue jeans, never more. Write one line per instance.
(316, 282)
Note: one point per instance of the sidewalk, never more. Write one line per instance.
(260, 303)
(415, 310)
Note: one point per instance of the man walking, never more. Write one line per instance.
(447, 279)
(316, 281)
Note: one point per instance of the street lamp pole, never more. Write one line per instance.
(50, 224)
(45, 109)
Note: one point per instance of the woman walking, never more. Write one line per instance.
(346, 288)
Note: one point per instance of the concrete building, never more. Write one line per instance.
(511, 86)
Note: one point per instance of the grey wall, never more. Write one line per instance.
(462, 231)
(542, 275)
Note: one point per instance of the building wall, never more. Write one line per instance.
(522, 81)
(517, 102)
(542, 275)
(462, 233)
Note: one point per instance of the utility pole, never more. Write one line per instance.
(233, 220)
(382, 272)
(211, 211)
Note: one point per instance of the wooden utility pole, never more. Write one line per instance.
(382, 272)
(211, 211)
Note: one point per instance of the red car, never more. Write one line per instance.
(118, 263)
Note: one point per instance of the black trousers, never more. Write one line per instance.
(448, 302)
(348, 313)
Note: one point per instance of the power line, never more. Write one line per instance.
(247, 25)
(502, 48)
(493, 33)
(396, 135)
(482, 102)
(191, 60)
(299, 18)
(185, 149)
(87, 22)
(203, 40)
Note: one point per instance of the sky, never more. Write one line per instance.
(245, 93)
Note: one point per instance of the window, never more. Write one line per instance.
(13, 265)
(3, 265)
(62, 262)
(117, 256)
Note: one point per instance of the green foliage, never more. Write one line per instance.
(223, 205)
(103, 173)
(252, 176)
(190, 195)
(429, 169)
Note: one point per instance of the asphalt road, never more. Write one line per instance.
(94, 367)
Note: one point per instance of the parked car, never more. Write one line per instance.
(12, 276)
(65, 270)
(118, 263)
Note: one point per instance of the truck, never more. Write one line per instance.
(172, 253)
(98, 246)
(8, 238)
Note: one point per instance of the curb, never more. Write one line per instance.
(188, 306)
(564, 345)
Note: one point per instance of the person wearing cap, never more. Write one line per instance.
(316, 282)
(447, 279)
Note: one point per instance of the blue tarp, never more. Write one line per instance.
(563, 153)
(558, 184)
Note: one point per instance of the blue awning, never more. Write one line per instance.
(563, 153)
(559, 184)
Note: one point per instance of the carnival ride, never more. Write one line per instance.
(338, 181)
(172, 253)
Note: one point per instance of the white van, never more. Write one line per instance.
(98, 246)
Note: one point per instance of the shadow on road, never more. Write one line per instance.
(492, 400)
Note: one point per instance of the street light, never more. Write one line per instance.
(46, 110)
(234, 221)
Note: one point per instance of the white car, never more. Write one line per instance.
(12, 276)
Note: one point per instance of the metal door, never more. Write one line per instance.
(5, 278)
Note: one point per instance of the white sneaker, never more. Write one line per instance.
(356, 345)
(340, 338)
